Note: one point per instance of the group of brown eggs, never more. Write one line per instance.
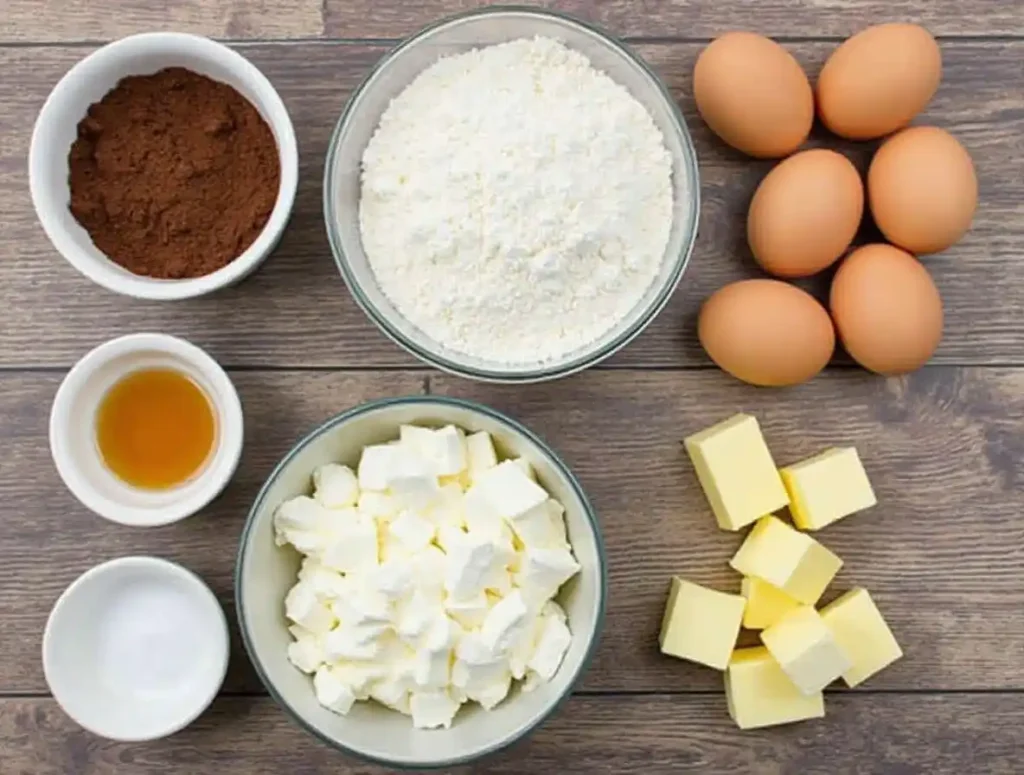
(921, 190)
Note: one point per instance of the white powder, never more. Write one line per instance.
(516, 202)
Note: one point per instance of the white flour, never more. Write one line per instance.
(516, 202)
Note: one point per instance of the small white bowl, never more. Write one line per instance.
(265, 572)
(73, 430)
(135, 649)
(86, 83)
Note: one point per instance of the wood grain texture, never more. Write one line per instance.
(943, 553)
(40, 21)
(862, 734)
(296, 312)
(77, 20)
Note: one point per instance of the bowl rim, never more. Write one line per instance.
(571, 480)
(157, 567)
(150, 288)
(589, 356)
(210, 482)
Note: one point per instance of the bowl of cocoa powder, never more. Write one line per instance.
(164, 166)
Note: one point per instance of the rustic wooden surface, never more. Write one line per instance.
(943, 552)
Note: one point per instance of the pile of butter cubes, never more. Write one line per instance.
(785, 572)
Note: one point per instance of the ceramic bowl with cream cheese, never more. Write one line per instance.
(73, 430)
(86, 83)
(265, 572)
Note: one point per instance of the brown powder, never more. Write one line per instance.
(173, 175)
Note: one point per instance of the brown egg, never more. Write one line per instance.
(805, 213)
(922, 189)
(878, 80)
(766, 332)
(887, 309)
(753, 94)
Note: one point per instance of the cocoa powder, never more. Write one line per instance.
(173, 175)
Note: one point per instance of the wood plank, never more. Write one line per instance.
(297, 312)
(943, 554)
(867, 734)
(38, 21)
(695, 19)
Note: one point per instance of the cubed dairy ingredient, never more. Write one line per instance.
(861, 631)
(700, 624)
(759, 694)
(786, 558)
(736, 471)
(766, 604)
(806, 650)
(428, 578)
(827, 487)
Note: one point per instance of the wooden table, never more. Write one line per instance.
(943, 553)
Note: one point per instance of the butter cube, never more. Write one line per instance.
(736, 471)
(827, 487)
(860, 630)
(806, 650)
(788, 559)
(700, 624)
(765, 604)
(759, 694)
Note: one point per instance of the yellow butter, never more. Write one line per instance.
(700, 624)
(860, 630)
(759, 694)
(766, 604)
(788, 559)
(827, 487)
(736, 471)
(806, 650)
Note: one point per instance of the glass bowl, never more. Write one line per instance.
(474, 29)
(265, 572)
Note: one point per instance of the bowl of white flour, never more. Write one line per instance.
(511, 195)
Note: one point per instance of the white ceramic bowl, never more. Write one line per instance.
(73, 430)
(265, 573)
(87, 82)
(126, 675)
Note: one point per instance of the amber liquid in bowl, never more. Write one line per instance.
(155, 428)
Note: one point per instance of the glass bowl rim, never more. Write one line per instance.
(562, 468)
(590, 355)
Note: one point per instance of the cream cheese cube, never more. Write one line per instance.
(302, 521)
(411, 479)
(412, 531)
(335, 486)
(375, 466)
(392, 579)
(444, 449)
(504, 623)
(377, 505)
(327, 583)
(490, 695)
(472, 563)
(766, 604)
(788, 559)
(759, 694)
(861, 632)
(449, 508)
(346, 643)
(543, 571)
(359, 677)
(432, 709)
(303, 606)
(392, 693)
(736, 471)
(415, 617)
(352, 547)
(480, 453)
(525, 467)
(331, 692)
(542, 527)
(507, 491)
(554, 641)
(827, 487)
(806, 650)
(306, 652)
(700, 624)
(470, 611)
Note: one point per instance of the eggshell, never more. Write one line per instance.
(753, 94)
(887, 309)
(766, 332)
(922, 189)
(878, 80)
(805, 213)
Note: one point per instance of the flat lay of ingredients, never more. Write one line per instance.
(511, 210)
